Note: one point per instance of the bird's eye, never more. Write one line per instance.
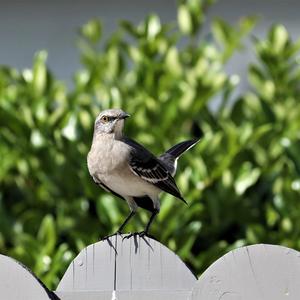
(104, 119)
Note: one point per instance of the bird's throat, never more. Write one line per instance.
(118, 130)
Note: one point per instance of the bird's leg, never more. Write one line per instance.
(132, 213)
(119, 231)
(154, 213)
(146, 231)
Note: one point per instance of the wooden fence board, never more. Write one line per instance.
(260, 272)
(127, 295)
(127, 265)
(143, 269)
(18, 283)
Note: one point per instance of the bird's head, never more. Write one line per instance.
(110, 121)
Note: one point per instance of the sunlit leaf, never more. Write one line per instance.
(92, 31)
(278, 37)
(184, 19)
(39, 78)
(246, 178)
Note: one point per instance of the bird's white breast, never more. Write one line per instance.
(107, 155)
(108, 163)
(127, 183)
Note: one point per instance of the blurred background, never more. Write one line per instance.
(225, 71)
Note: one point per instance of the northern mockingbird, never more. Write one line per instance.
(128, 170)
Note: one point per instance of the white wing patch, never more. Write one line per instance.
(152, 175)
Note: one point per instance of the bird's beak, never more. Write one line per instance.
(123, 116)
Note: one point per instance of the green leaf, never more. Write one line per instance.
(70, 131)
(278, 38)
(47, 235)
(246, 178)
(39, 79)
(130, 28)
(37, 139)
(153, 26)
(92, 31)
(184, 20)
(222, 31)
(173, 62)
(247, 24)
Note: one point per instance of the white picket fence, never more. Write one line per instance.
(142, 268)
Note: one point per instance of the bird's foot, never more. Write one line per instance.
(110, 235)
(139, 234)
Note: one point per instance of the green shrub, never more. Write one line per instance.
(241, 181)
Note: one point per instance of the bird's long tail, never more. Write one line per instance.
(180, 148)
(169, 158)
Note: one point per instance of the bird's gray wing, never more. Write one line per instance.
(145, 165)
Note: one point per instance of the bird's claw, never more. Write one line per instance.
(140, 234)
(134, 234)
(110, 235)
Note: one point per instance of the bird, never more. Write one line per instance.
(126, 169)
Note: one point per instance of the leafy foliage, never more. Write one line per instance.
(241, 181)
